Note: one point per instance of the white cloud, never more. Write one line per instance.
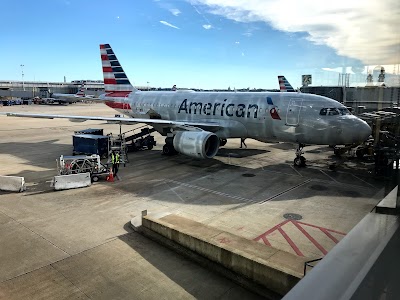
(365, 30)
(168, 24)
(208, 26)
(242, 54)
(175, 11)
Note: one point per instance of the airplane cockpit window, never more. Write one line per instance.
(344, 111)
(331, 112)
(334, 111)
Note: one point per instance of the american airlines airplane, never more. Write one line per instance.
(198, 123)
(69, 98)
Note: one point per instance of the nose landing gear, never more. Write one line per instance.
(300, 160)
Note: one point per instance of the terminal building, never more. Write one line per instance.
(360, 99)
(31, 89)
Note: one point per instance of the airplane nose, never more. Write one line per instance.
(353, 130)
(364, 131)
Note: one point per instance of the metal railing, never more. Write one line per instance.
(308, 264)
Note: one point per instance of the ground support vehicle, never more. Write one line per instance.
(67, 165)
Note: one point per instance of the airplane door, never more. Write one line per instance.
(293, 111)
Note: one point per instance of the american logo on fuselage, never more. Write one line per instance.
(219, 108)
(273, 111)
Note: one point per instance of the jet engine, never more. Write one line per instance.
(197, 144)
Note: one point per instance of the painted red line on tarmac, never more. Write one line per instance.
(291, 243)
(315, 226)
(266, 242)
(312, 240)
(329, 235)
(271, 230)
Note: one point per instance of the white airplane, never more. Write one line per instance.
(284, 84)
(198, 123)
(69, 98)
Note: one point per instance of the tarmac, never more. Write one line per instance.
(77, 244)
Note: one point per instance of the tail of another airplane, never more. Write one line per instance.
(81, 92)
(116, 83)
(284, 85)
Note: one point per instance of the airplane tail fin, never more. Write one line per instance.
(81, 92)
(116, 83)
(284, 85)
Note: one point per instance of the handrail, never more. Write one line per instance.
(133, 130)
(307, 264)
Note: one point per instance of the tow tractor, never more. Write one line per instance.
(359, 151)
(67, 165)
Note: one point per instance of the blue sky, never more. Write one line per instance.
(197, 43)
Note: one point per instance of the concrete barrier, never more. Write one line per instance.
(73, 181)
(12, 183)
(274, 269)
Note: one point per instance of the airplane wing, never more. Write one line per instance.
(182, 125)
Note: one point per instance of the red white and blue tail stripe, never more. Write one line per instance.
(116, 83)
(81, 92)
(284, 85)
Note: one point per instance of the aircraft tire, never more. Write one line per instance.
(222, 142)
(299, 161)
(166, 150)
(169, 150)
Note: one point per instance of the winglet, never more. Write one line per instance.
(284, 84)
(116, 83)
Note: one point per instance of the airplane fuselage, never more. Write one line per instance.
(294, 117)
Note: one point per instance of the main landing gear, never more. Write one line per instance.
(168, 148)
(300, 160)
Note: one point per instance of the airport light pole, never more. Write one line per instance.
(22, 71)
(148, 88)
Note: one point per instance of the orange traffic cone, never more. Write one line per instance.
(110, 177)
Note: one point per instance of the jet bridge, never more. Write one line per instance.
(365, 264)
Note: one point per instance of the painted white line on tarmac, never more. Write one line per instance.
(209, 191)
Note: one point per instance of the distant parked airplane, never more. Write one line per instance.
(284, 85)
(198, 123)
(70, 98)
